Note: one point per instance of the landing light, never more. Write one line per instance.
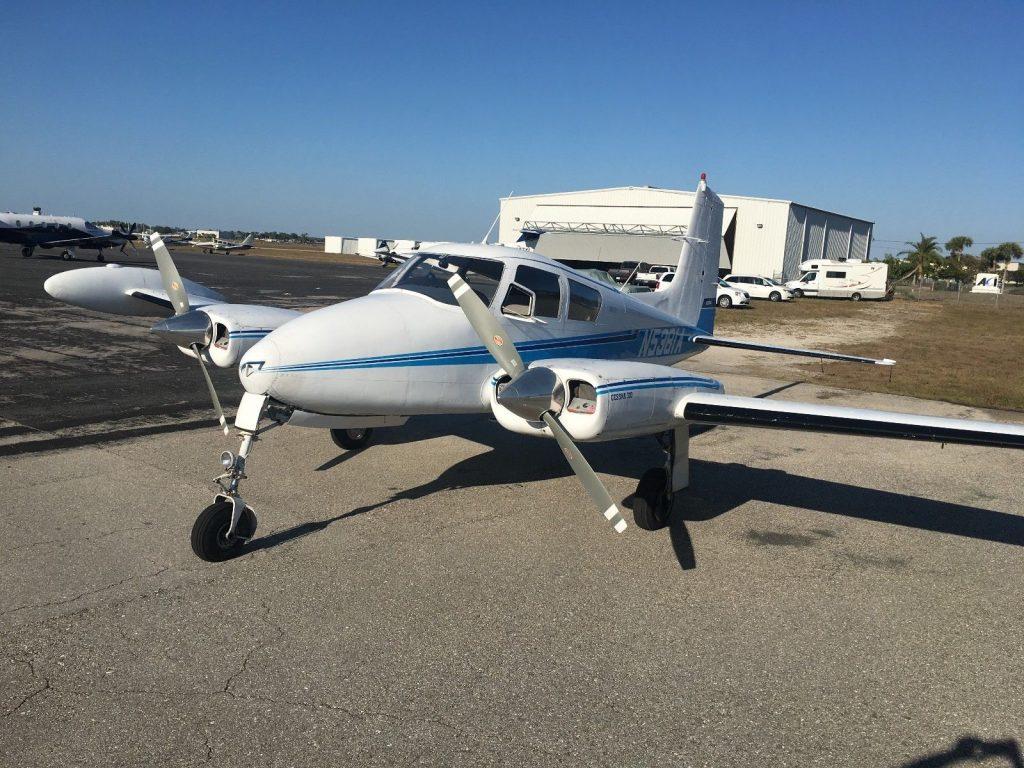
(227, 459)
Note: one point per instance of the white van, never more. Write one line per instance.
(854, 280)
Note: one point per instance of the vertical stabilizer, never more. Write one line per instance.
(691, 296)
(248, 239)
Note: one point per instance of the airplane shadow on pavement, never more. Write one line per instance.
(971, 750)
(716, 487)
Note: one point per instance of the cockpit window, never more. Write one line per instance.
(428, 274)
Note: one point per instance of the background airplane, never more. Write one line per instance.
(474, 328)
(225, 246)
(36, 230)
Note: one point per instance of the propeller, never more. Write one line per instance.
(533, 394)
(178, 296)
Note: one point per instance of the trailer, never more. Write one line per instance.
(853, 280)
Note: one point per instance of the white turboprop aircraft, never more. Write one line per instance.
(462, 328)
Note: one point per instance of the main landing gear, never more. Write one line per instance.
(351, 439)
(655, 494)
(224, 528)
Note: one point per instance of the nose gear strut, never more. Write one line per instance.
(226, 526)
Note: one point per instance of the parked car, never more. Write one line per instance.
(759, 287)
(652, 274)
(731, 297)
(727, 296)
(627, 269)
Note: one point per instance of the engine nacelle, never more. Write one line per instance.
(608, 400)
(120, 290)
(231, 330)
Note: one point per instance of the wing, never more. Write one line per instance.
(718, 341)
(716, 408)
(159, 298)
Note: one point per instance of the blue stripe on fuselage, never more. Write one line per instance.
(643, 343)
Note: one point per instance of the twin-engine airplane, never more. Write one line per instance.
(39, 230)
(224, 246)
(474, 328)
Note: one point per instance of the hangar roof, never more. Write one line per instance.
(725, 197)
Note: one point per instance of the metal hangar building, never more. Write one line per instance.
(603, 227)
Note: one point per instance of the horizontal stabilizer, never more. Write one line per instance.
(717, 341)
(712, 408)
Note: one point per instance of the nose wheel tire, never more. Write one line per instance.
(351, 439)
(724, 302)
(209, 533)
(651, 502)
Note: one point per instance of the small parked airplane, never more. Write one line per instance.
(468, 328)
(37, 230)
(225, 246)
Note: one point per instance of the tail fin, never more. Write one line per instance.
(248, 239)
(692, 294)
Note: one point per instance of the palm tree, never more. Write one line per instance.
(955, 248)
(922, 256)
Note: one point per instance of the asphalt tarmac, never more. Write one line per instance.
(447, 596)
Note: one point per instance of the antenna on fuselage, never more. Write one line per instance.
(493, 223)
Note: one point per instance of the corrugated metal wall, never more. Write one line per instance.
(815, 234)
(861, 240)
(794, 241)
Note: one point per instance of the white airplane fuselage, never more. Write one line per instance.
(399, 352)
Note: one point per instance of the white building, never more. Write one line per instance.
(763, 237)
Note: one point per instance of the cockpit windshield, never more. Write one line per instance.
(428, 274)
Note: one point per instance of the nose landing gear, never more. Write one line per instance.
(224, 528)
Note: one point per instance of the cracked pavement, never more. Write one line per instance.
(448, 597)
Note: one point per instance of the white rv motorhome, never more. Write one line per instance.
(852, 279)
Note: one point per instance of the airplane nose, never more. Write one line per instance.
(257, 369)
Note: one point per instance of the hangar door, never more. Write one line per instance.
(608, 249)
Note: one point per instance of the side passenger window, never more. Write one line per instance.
(547, 293)
(584, 302)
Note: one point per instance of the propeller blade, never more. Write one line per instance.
(213, 392)
(487, 327)
(591, 482)
(169, 275)
(536, 395)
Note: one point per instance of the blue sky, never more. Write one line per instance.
(411, 119)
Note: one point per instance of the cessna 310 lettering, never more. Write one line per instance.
(463, 328)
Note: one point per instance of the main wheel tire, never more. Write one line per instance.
(351, 439)
(775, 296)
(26, 252)
(797, 293)
(209, 540)
(855, 297)
(724, 302)
(650, 504)
(66, 255)
(99, 257)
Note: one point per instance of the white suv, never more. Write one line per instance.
(759, 287)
